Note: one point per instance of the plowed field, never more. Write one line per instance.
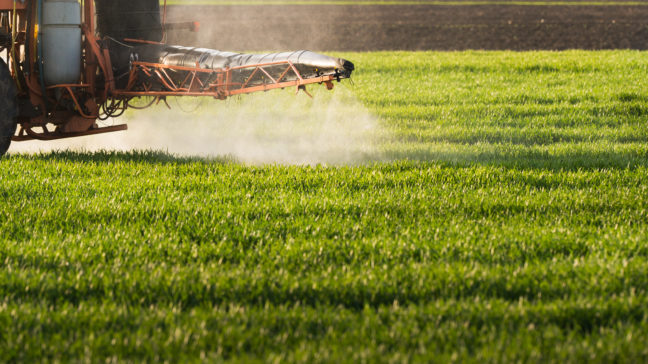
(414, 27)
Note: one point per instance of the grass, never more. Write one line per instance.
(509, 224)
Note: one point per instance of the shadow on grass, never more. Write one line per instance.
(528, 159)
(525, 159)
(112, 156)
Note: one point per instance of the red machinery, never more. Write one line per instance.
(63, 73)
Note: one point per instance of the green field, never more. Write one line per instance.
(502, 218)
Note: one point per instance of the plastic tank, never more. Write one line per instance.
(61, 41)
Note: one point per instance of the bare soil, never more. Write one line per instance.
(413, 27)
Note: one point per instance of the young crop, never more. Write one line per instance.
(502, 218)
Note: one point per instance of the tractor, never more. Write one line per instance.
(68, 63)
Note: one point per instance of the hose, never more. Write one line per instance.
(40, 53)
(14, 36)
(164, 16)
(28, 51)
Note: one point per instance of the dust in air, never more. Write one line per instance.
(276, 127)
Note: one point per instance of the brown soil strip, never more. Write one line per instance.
(413, 27)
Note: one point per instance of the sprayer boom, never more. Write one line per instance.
(161, 70)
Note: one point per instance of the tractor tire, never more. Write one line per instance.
(8, 107)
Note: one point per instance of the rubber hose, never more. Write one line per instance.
(40, 53)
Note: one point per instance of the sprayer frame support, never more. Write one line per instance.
(70, 110)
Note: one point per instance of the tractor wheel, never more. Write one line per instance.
(8, 107)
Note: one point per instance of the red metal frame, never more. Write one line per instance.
(27, 133)
(89, 98)
(66, 123)
(192, 85)
(9, 5)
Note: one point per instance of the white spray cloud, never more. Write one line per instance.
(273, 127)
